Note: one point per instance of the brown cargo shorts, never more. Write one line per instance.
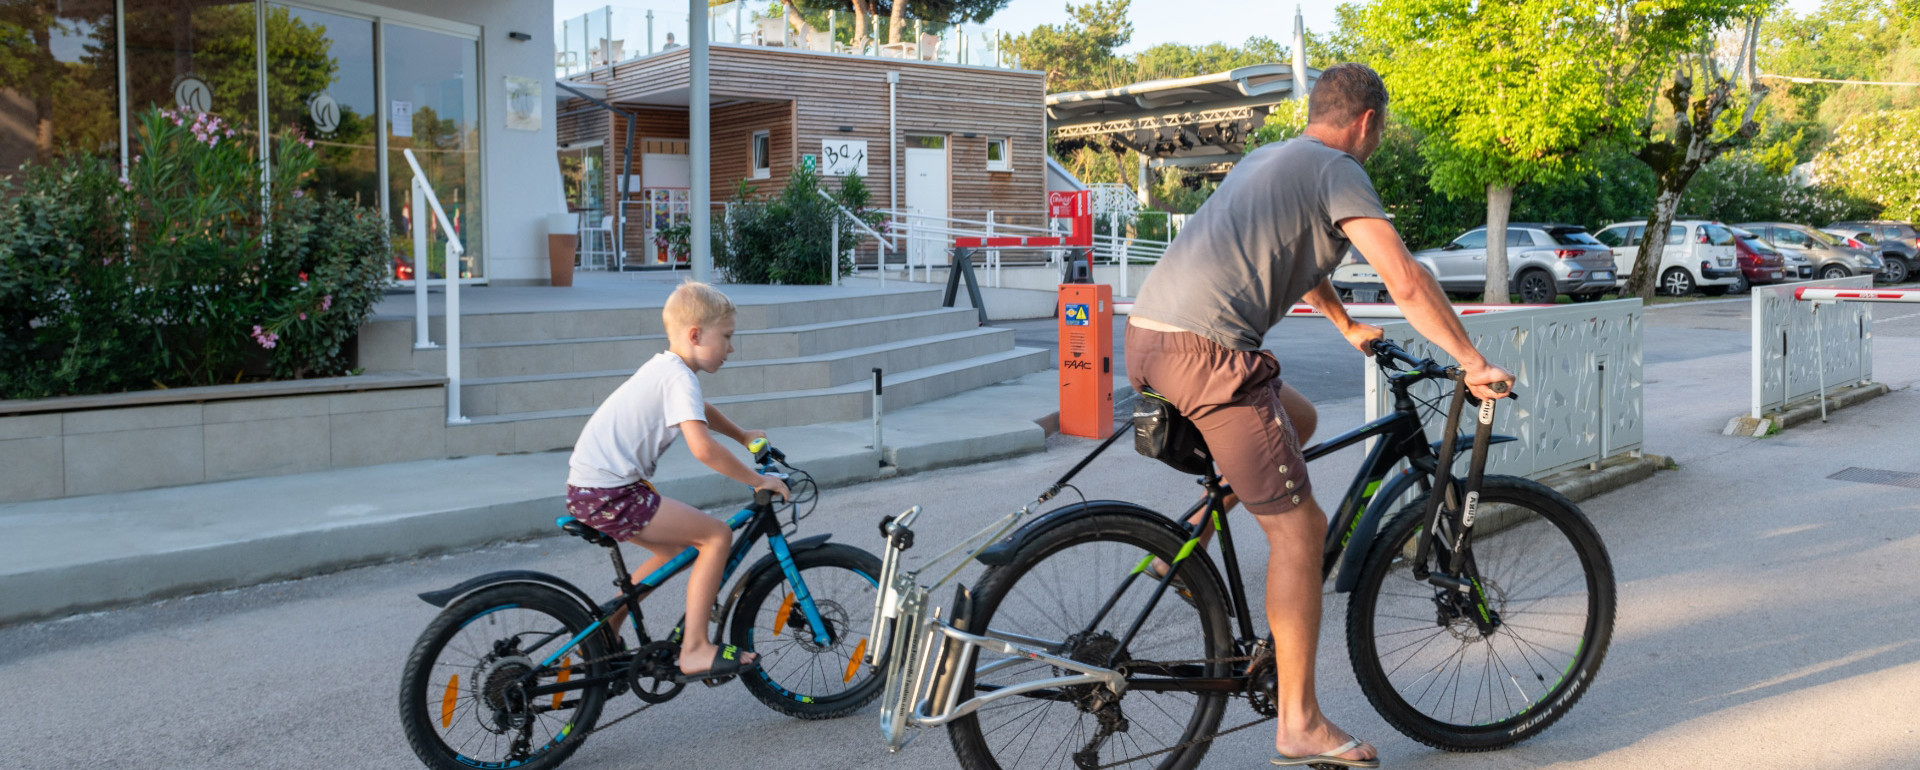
(1233, 396)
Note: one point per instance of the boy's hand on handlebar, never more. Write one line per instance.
(1361, 336)
(1480, 380)
(772, 484)
(747, 436)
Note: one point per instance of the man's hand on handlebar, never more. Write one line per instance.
(1481, 380)
(1361, 336)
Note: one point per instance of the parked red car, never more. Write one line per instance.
(1760, 263)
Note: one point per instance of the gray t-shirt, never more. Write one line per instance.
(1260, 243)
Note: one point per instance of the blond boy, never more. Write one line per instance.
(607, 487)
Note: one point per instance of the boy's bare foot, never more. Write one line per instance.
(698, 658)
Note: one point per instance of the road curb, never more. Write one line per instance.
(1803, 411)
(1614, 472)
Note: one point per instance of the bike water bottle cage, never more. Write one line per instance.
(1160, 432)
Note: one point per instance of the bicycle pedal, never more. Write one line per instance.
(716, 681)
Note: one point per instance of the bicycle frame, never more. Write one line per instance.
(925, 694)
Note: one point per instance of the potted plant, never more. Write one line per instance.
(563, 236)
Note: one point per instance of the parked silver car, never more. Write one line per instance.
(1830, 257)
(1543, 261)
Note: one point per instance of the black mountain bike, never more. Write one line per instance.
(1480, 612)
(516, 669)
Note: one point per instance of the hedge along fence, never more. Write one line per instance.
(186, 272)
(787, 238)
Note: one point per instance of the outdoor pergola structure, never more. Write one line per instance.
(1199, 123)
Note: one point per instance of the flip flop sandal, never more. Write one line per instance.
(1328, 759)
(1179, 588)
(726, 665)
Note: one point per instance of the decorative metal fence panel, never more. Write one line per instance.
(1579, 383)
(1787, 362)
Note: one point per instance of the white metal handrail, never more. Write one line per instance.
(833, 269)
(423, 190)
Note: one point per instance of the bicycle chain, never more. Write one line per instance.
(1201, 739)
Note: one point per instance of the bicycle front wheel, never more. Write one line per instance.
(1074, 592)
(799, 675)
(1431, 667)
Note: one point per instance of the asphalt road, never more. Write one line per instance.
(1767, 617)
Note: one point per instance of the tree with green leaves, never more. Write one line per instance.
(896, 12)
(1080, 53)
(1877, 156)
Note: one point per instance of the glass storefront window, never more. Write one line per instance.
(320, 80)
(58, 82)
(433, 105)
(199, 57)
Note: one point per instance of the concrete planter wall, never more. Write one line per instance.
(85, 445)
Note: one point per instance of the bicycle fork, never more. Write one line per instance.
(1451, 509)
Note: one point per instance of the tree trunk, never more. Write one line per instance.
(43, 68)
(1499, 206)
(1653, 243)
(798, 23)
(861, 10)
(897, 21)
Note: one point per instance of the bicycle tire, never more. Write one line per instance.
(425, 696)
(1127, 535)
(783, 661)
(1561, 544)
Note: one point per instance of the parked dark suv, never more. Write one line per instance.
(1898, 243)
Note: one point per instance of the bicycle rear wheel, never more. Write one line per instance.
(1423, 660)
(1048, 596)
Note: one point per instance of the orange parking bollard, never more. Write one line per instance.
(1086, 359)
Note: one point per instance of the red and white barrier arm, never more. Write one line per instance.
(1810, 293)
(1376, 309)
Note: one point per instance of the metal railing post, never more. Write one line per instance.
(876, 408)
(993, 257)
(422, 340)
(1820, 360)
(833, 256)
(454, 253)
(423, 201)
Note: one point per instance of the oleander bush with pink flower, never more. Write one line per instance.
(186, 271)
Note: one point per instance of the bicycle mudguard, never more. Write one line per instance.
(765, 563)
(1361, 541)
(446, 596)
(1001, 553)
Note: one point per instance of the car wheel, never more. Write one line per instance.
(1834, 271)
(1896, 269)
(1536, 288)
(1677, 282)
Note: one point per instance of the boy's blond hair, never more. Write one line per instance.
(695, 304)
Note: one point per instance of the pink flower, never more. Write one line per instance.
(303, 277)
(326, 302)
(309, 143)
(299, 194)
(303, 316)
(229, 132)
(266, 339)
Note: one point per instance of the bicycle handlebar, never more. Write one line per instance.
(1386, 352)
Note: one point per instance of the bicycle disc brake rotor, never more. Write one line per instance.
(651, 677)
(831, 613)
(1456, 612)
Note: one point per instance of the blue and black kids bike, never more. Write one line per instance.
(515, 671)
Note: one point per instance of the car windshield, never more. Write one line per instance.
(1759, 246)
(1574, 237)
(1743, 234)
(1865, 238)
(1823, 238)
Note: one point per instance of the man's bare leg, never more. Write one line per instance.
(1305, 419)
(1293, 614)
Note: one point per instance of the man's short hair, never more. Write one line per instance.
(1344, 92)
(695, 304)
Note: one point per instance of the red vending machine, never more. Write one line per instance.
(1086, 359)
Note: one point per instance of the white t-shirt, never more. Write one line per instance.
(627, 435)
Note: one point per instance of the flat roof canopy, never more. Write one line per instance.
(1200, 122)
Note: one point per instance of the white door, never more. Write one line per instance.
(926, 187)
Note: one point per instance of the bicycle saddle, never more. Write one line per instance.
(580, 530)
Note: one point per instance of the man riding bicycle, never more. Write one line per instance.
(1267, 238)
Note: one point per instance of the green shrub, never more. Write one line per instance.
(183, 273)
(786, 238)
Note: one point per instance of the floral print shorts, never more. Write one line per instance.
(618, 512)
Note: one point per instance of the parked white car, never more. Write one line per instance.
(1699, 255)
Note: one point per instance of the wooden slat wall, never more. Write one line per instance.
(733, 128)
(827, 92)
(648, 124)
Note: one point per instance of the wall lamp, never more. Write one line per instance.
(846, 129)
(519, 36)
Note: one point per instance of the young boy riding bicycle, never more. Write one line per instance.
(607, 487)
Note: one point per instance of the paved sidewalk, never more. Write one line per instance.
(81, 553)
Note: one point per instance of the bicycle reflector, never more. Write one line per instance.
(780, 618)
(448, 701)
(853, 663)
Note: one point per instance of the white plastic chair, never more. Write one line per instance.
(596, 243)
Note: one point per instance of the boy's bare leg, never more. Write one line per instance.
(658, 559)
(678, 525)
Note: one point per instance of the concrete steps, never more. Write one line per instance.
(535, 431)
(545, 392)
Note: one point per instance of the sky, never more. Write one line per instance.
(1154, 21)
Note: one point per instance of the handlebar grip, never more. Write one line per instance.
(1498, 387)
(763, 497)
(756, 446)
